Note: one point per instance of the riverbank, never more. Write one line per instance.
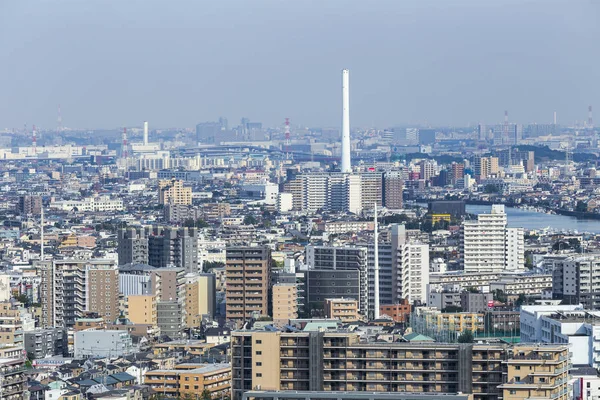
(560, 211)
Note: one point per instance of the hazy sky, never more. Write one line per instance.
(112, 63)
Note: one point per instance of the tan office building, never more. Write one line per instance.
(173, 192)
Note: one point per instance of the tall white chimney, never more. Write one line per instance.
(346, 164)
(376, 265)
(145, 133)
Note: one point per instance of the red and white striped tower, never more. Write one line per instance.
(34, 140)
(124, 145)
(287, 139)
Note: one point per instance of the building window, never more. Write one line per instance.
(259, 364)
(258, 375)
(259, 342)
(258, 353)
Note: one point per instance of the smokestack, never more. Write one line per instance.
(376, 265)
(346, 163)
(590, 119)
(145, 133)
(554, 117)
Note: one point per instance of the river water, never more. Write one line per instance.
(518, 218)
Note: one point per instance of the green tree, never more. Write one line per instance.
(491, 189)
(205, 395)
(466, 337)
(581, 206)
(250, 220)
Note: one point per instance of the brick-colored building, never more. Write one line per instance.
(248, 283)
(397, 312)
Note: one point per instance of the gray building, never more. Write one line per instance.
(159, 247)
(132, 246)
(576, 280)
(41, 343)
(475, 302)
(443, 299)
(103, 343)
(323, 284)
(456, 208)
(208, 132)
(170, 318)
(386, 272)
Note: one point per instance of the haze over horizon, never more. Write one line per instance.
(112, 63)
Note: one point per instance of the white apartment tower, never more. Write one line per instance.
(488, 245)
(415, 272)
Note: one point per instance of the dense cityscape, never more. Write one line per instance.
(272, 262)
(231, 258)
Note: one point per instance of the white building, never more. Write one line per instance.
(102, 343)
(580, 329)
(415, 272)
(489, 245)
(285, 202)
(95, 204)
(531, 318)
(268, 192)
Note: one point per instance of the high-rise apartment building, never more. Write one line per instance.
(415, 272)
(132, 246)
(457, 171)
(102, 281)
(66, 290)
(393, 189)
(485, 167)
(172, 191)
(248, 272)
(336, 361)
(427, 169)
(327, 192)
(488, 245)
(30, 205)
(337, 272)
(159, 247)
(371, 189)
(576, 280)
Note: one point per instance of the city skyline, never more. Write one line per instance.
(280, 61)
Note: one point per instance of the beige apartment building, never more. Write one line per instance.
(285, 303)
(537, 371)
(173, 192)
(11, 328)
(141, 309)
(346, 310)
(339, 361)
(200, 299)
(248, 283)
